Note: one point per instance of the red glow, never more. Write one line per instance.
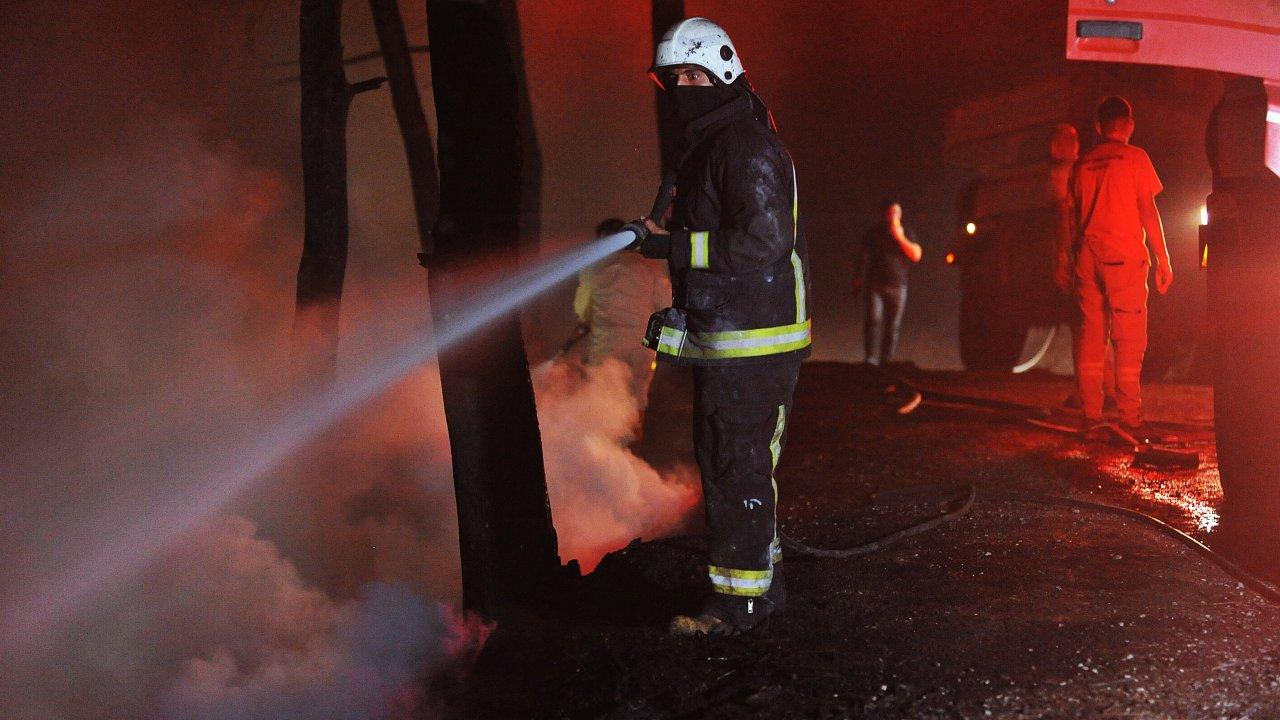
(1198, 493)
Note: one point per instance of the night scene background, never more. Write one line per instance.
(175, 546)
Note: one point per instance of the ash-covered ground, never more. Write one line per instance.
(1013, 611)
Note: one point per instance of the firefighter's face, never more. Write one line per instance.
(688, 75)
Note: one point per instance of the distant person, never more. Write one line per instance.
(882, 259)
(614, 300)
(1064, 151)
(1114, 193)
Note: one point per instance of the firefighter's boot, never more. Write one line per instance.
(725, 615)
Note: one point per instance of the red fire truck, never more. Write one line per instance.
(1007, 216)
(1240, 247)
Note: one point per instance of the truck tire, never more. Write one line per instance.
(989, 339)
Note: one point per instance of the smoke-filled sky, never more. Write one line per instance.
(150, 226)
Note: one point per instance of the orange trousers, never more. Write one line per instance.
(1111, 292)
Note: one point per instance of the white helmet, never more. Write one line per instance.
(698, 41)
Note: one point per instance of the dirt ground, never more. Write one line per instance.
(1013, 611)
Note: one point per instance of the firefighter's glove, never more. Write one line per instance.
(641, 233)
(655, 245)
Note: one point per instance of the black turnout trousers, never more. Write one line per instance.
(740, 423)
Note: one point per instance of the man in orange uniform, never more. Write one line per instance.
(1114, 192)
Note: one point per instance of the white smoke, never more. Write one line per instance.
(602, 495)
(225, 628)
(150, 226)
(293, 655)
(166, 337)
(146, 324)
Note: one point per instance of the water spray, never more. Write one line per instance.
(220, 473)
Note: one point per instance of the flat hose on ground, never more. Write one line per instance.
(798, 548)
(1264, 589)
(883, 541)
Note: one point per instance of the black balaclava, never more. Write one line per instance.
(693, 101)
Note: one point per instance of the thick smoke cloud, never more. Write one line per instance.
(155, 303)
(602, 495)
(294, 653)
(225, 627)
(150, 219)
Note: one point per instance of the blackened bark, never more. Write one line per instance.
(666, 13)
(414, 130)
(326, 99)
(507, 540)
(530, 216)
(665, 438)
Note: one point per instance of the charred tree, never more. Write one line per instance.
(665, 439)
(407, 102)
(664, 14)
(507, 540)
(326, 99)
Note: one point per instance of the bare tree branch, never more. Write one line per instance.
(365, 85)
(357, 59)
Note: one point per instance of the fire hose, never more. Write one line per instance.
(1262, 588)
(1038, 355)
(969, 494)
(958, 510)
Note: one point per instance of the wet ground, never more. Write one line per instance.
(1015, 610)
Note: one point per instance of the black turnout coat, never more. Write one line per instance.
(739, 265)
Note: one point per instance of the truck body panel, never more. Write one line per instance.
(1233, 36)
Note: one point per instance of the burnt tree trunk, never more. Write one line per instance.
(326, 99)
(407, 102)
(507, 540)
(664, 14)
(665, 440)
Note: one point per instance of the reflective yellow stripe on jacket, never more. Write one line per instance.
(700, 250)
(744, 343)
(797, 267)
(734, 343)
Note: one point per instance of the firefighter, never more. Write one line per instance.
(882, 260)
(1114, 194)
(738, 267)
(613, 302)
